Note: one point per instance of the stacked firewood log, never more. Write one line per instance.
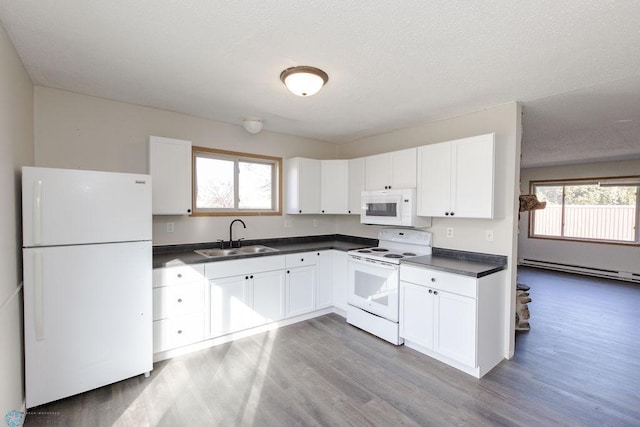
(522, 308)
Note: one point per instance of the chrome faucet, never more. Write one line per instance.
(231, 231)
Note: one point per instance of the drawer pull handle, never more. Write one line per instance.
(433, 279)
(301, 259)
(435, 292)
(179, 331)
(179, 275)
(179, 299)
(430, 291)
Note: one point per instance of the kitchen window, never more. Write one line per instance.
(232, 183)
(602, 210)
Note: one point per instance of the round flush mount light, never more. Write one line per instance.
(304, 80)
(253, 125)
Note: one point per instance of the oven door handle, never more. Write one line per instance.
(386, 265)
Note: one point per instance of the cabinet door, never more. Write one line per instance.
(356, 185)
(268, 296)
(334, 191)
(376, 172)
(170, 169)
(303, 186)
(340, 275)
(231, 305)
(455, 332)
(416, 314)
(403, 168)
(301, 289)
(434, 180)
(324, 294)
(473, 177)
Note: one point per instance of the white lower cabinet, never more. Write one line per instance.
(178, 306)
(444, 315)
(268, 296)
(301, 282)
(324, 293)
(231, 308)
(340, 274)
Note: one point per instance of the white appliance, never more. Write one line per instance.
(374, 280)
(87, 280)
(389, 207)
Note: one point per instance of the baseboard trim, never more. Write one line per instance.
(588, 271)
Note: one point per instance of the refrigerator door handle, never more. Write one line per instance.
(38, 296)
(37, 212)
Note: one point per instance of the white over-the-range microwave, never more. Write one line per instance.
(395, 207)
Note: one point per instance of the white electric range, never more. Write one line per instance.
(374, 279)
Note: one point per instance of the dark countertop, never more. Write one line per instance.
(460, 262)
(165, 256)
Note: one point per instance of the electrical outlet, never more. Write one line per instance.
(489, 235)
(449, 231)
(170, 227)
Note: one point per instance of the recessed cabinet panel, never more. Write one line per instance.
(356, 185)
(268, 296)
(231, 305)
(170, 170)
(302, 183)
(455, 332)
(456, 178)
(301, 289)
(416, 314)
(334, 191)
(396, 169)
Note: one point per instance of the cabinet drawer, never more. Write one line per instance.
(178, 331)
(177, 275)
(171, 301)
(454, 283)
(301, 259)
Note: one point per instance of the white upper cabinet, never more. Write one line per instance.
(456, 178)
(356, 184)
(302, 185)
(334, 191)
(396, 169)
(170, 169)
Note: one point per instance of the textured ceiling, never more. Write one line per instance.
(574, 64)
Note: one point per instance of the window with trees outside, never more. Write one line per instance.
(231, 183)
(599, 210)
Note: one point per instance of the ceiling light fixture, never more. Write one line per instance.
(252, 125)
(304, 80)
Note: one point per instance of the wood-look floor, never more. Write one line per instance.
(579, 365)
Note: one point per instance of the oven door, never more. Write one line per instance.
(373, 287)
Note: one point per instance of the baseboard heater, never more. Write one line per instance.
(589, 271)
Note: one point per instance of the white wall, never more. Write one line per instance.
(84, 132)
(469, 234)
(610, 257)
(16, 150)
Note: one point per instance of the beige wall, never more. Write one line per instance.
(16, 150)
(469, 234)
(610, 257)
(85, 132)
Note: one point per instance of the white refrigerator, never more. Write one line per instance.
(87, 266)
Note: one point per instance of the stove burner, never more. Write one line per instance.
(364, 251)
(380, 250)
(408, 254)
(393, 256)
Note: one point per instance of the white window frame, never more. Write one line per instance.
(632, 181)
(236, 157)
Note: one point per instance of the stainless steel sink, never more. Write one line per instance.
(257, 249)
(216, 252)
